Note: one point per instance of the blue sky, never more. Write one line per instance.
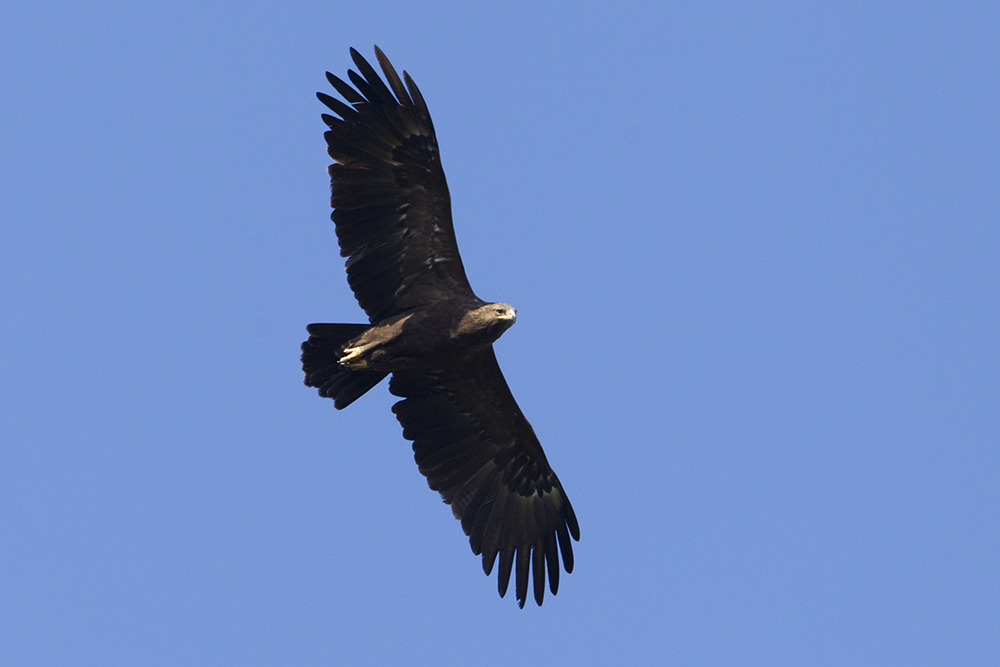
(755, 253)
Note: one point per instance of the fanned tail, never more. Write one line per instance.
(320, 356)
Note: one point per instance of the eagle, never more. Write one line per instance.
(427, 328)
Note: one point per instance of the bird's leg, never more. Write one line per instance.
(355, 352)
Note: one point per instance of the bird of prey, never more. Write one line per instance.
(427, 328)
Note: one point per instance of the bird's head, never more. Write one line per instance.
(503, 312)
(487, 322)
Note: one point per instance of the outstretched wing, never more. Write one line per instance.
(477, 449)
(390, 198)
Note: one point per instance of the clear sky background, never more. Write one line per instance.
(755, 251)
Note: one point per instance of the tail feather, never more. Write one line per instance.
(320, 355)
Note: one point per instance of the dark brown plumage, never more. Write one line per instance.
(393, 217)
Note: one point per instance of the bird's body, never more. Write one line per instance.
(439, 334)
(432, 333)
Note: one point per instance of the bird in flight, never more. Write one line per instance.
(427, 328)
